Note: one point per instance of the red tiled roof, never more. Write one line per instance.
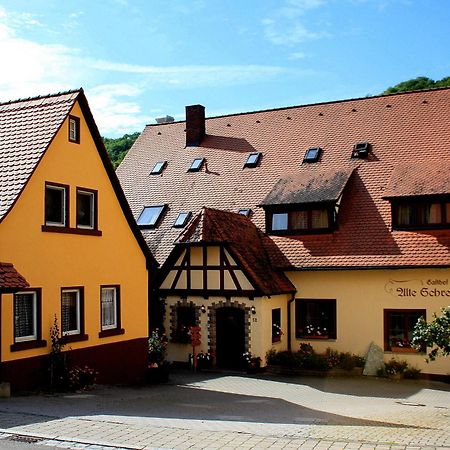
(26, 129)
(10, 279)
(428, 178)
(403, 129)
(308, 187)
(245, 242)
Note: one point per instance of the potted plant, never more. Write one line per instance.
(203, 361)
(252, 364)
(158, 367)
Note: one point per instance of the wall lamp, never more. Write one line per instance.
(253, 310)
(203, 309)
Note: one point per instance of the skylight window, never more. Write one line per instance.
(253, 159)
(245, 212)
(361, 150)
(312, 155)
(196, 165)
(150, 215)
(182, 219)
(158, 167)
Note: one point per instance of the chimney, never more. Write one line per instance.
(195, 125)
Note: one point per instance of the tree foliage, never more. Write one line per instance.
(434, 334)
(418, 83)
(118, 148)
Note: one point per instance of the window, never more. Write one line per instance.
(86, 209)
(361, 150)
(301, 221)
(56, 205)
(158, 168)
(25, 316)
(196, 165)
(312, 155)
(72, 311)
(276, 325)
(315, 319)
(109, 300)
(253, 159)
(186, 318)
(150, 215)
(398, 328)
(425, 213)
(74, 129)
(245, 212)
(182, 219)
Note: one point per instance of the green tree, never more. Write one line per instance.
(118, 148)
(434, 334)
(417, 84)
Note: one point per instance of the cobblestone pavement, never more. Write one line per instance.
(378, 415)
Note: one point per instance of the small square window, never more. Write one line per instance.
(361, 150)
(253, 159)
(315, 319)
(110, 307)
(74, 129)
(398, 328)
(150, 215)
(182, 219)
(158, 167)
(86, 209)
(245, 212)
(312, 155)
(56, 205)
(279, 221)
(196, 165)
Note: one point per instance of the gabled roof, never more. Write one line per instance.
(308, 187)
(402, 129)
(245, 242)
(10, 279)
(27, 128)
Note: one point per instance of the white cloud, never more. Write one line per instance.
(286, 25)
(297, 55)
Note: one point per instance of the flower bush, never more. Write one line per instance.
(82, 377)
(157, 348)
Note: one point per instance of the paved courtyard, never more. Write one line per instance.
(233, 411)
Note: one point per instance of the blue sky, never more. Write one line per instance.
(142, 59)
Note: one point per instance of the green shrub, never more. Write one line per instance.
(412, 373)
(395, 366)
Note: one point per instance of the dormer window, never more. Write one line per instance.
(158, 167)
(420, 213)
(312, 155)
(74, 129)
(196, 165)
(361, 150)
(302, 220)
(253, 159)
(182, 219)
(245, 212)
(150, 216)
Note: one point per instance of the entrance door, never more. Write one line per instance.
(230, 337)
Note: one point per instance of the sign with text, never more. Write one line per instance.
(416, 288)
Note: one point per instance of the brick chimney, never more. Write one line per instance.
(195, 125)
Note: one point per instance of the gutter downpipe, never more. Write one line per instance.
(291, 300)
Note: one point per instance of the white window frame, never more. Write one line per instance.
(73, 130)
(92, 210)
(115, 324)
(31, 337)
(78, 297)
(62, 189)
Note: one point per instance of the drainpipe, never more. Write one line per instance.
(291, 300)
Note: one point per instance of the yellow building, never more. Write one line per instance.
(68, 230)
(345, 204)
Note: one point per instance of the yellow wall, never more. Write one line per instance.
(53, 260)
(361, 296)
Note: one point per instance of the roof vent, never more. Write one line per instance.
(165, 119)
(361, 150)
